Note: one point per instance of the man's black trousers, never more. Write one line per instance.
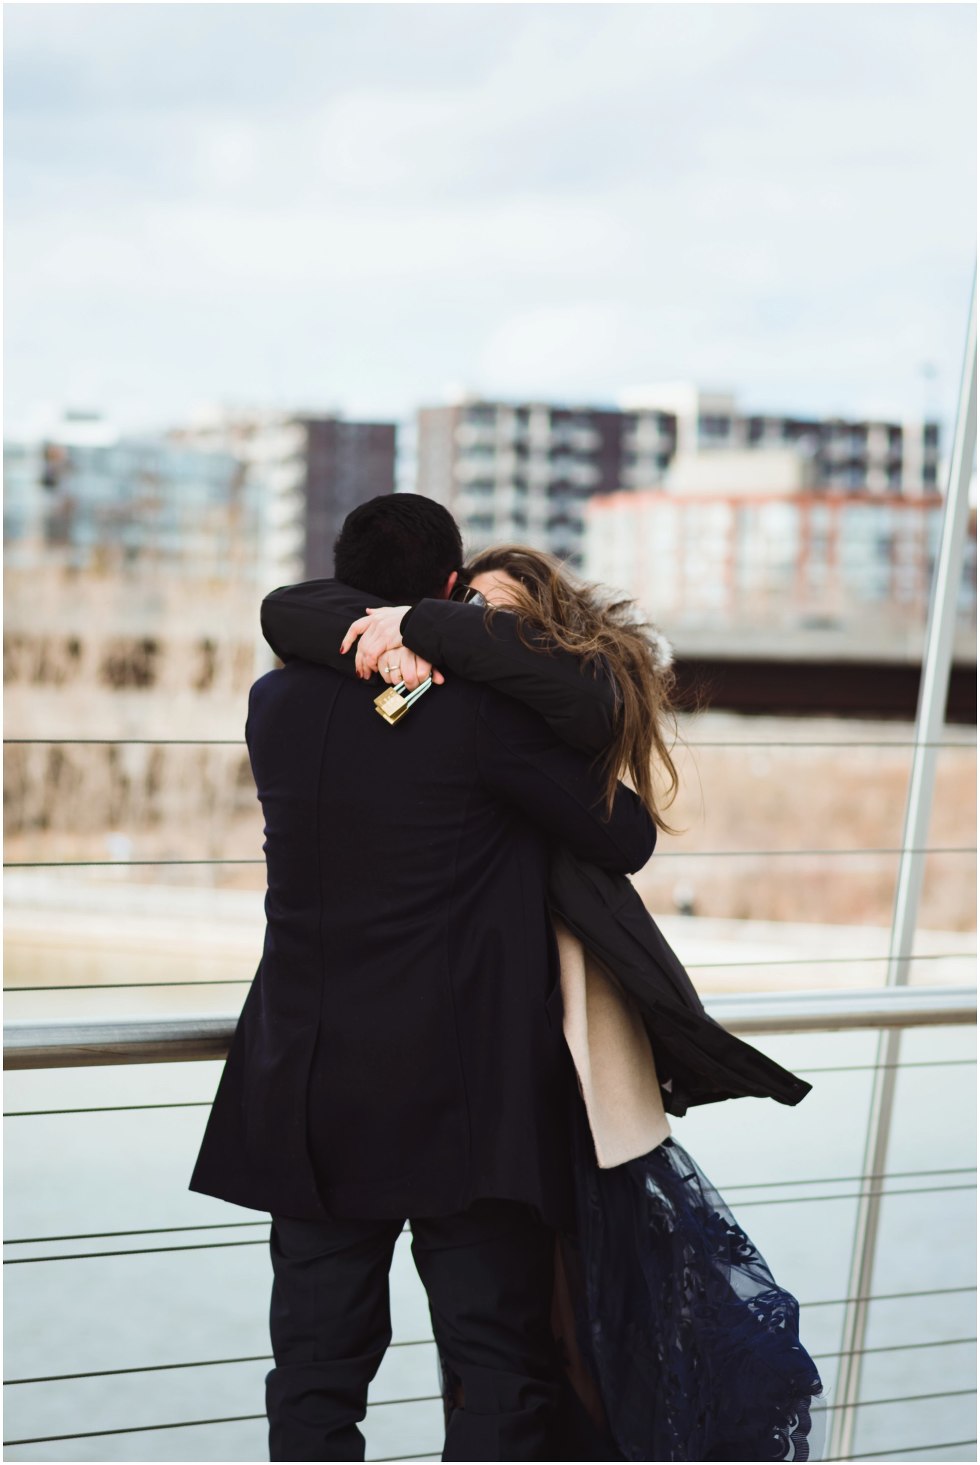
(488, 1276)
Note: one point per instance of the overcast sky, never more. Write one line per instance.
(364, 207)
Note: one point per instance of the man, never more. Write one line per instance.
(400, 1052)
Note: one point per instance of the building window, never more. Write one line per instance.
(712, 426)
(481, 416)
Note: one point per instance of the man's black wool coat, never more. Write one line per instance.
(698, 1061)
(400, 1049)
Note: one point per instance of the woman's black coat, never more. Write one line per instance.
(698, 1061)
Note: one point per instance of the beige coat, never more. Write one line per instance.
(616, 1071)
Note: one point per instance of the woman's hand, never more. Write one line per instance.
(380, 649)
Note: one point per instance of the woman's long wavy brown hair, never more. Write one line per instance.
(610, 636)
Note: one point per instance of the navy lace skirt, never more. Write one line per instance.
(675, 1340)
(693, 1347)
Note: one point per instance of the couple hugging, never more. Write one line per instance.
(464, 1019)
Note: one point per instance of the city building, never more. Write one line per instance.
(860, 454)
(857, 563)
(88, 497)
(312, 469)
(521, 472)
(527, 471)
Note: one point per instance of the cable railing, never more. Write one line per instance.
(206, 1103)
(262, 1240)
(727, 1187)
(691, 966)
(238, 862)
(39, 1044)
(823, 1012)
(140, 1368)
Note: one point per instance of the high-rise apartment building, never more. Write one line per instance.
(526, 471)
(347, 463)
(312, 469)
(519, 472)
(863, 454)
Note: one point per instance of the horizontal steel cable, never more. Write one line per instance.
(709, 743)
(849, 1179)
(414, 1399)
(85, 1256)
(146, 1250)
(108, 1109)
(434, 1454)
(118, 864)
(899, 1347)
(91, 1434)
(142, 986)
(99, 1373)
(784, 1200)
(901, 1399)
(871, 1067)
(237, 1225)
(206, 1103)
(702, 966)
(21, 1261)
(142, 1231)
(707, 854)
(150, 986)
(147, 1231)
(156, 743)
(905, 1450)
(890, 1296)
(694, 966)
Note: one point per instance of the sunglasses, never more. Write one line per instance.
(466, 595)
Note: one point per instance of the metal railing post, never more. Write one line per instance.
(930, 716)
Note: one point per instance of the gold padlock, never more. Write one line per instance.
(395, 701)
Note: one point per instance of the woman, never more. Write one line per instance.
(677, 1343)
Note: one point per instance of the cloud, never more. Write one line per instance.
(576, 342)
(363, 202)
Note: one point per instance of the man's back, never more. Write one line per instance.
(401, 1049)
(399, 1055)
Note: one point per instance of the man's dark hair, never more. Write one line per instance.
(401, 547)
